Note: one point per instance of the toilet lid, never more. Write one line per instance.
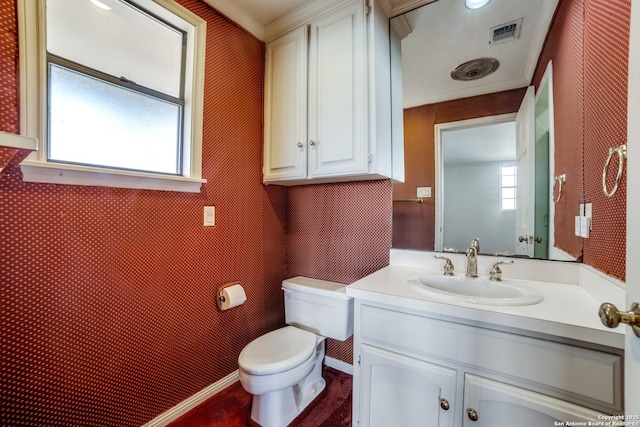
(277, 351)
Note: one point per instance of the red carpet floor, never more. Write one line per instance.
(232, 407)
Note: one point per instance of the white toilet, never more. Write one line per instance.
(283, 368)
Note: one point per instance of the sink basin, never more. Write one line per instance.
(477, 290)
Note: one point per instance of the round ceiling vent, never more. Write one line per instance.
(475, 69)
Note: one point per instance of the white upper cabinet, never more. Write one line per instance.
(328, 97)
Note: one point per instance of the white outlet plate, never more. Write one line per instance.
(209, 216)
(423, 192)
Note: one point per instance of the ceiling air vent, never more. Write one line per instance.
(505, 33)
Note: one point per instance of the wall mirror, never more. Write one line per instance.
(460, 135)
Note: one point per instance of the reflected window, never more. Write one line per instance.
(508, 183)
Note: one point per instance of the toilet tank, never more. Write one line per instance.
(318, 306)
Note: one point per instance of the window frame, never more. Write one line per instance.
(34, 115)
(502, 165)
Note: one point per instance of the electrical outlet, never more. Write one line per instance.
(423, 192)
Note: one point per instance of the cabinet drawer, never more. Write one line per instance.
(589, 376)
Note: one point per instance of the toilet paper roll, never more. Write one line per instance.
(232, 296)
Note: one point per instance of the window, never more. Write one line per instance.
(507, 186)
(121, 93)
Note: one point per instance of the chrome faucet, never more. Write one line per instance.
(475, 243)
(472, 262)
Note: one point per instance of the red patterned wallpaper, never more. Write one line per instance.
(107, 296)
(606, 57)
(338, 232)
(564, 46)
(589, 43)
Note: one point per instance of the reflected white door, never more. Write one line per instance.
(525, 161)
(632, 347)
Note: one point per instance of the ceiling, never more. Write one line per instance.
(445, 34)
(485, 143)
(441, 35)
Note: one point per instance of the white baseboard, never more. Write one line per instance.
(339, 365)
(193, 401)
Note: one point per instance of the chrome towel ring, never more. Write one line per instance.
(560, 179)
(621, 152)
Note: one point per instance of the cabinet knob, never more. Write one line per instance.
(300, 145)
(312, 142)
(472, 414)
(611, 317)
(444, 404)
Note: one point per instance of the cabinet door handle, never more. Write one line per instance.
(444, 404)
(312, 142)
(300, 145)
(472, 414)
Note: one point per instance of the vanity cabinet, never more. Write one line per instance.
(402, 391)
(328, 98)
(414, 369)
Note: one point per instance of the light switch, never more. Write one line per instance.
(209, 216)
(423, 192)
(584, 227)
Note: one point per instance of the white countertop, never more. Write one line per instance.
(568, 311)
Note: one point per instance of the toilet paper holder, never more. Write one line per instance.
(223, 296)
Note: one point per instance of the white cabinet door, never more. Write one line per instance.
(496, 404)
(402, 391)
(337, 94)
(285, 113)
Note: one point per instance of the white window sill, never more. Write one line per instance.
(56, 173)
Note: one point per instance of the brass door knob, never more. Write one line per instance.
(472, 414)
(611, 317)
(444, 404)
(300, 145)
(312, 142)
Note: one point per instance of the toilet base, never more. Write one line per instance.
(279, 408)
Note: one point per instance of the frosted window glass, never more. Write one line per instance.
(508, 204)
(97, 123)
(508, 170)
(121, 42)
(508, 181)
(508, 193)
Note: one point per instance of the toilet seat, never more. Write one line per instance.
(277, 351)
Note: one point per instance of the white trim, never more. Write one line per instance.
(11, 140)
(338, 364)
(57, 173)
(33, 83)
(439, 184)
(191, 402)
(547, 78)
(558, 254)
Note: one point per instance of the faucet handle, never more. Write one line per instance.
(495, 273)
(448, 265)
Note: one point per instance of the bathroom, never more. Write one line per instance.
(109, 295)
